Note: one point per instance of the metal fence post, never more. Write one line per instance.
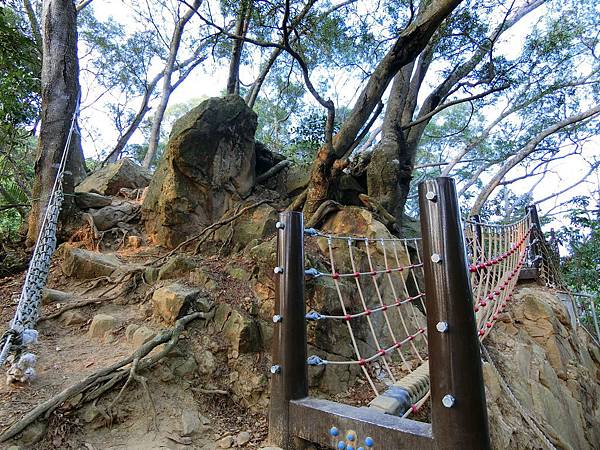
(536, 234)
(289, 371)
(458, 408)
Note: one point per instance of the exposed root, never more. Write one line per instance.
(273, 170)
(103, 380)
(322, 211)
(203, 234)
(298, 202)
(56, 314)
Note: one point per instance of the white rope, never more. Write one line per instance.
(27, 312)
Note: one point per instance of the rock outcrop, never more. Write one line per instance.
(111, 179)
(553, 371)
(208, 165)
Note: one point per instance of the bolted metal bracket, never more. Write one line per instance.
(448, 401)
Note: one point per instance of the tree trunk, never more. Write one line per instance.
(135, 123)
(390, 169)
(241, 27)
(405, 50)
(167, 86)
(60, 91)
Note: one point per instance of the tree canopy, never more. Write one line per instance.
(500, 95)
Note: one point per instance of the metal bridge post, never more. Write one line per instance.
(458, 407)
(537, 234)
(289, 371)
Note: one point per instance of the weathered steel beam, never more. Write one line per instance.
(289, 371)
(458, 408)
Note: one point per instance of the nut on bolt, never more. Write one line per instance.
(278, 269)
(280, 225)
(277, 318)
(275, 369)
(431, 196)
(442, 327)
(436, 258)
(448, 401)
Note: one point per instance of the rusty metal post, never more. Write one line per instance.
(458, 408)
(289, 371)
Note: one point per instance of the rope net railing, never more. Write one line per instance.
(381, 301)
(388, 304)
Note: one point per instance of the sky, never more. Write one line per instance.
(211, 81)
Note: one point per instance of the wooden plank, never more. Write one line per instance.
(311, 419)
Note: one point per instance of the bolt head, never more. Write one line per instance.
(436, 258)
(275, 369)
(448, 401)
(442, 327)
(431, 196)
(278, 269)
(277, 318)
(280, 225)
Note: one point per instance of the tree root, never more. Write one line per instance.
(273, 170)
(298, 202)
(326, 208)
(103, 380)
(381, 213)
(81, 304)
(203, 234)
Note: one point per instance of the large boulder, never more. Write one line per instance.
(208, 165)
(109, 216)
(174, 300)
(83, 264)
(110, 179)
(548, 367)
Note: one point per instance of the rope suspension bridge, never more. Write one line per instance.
(411, 345)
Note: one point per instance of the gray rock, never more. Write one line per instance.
(88, 200)
(226, 442)
(131, 328)
(142, 335)
(190, 422)
(185, 368)
(110, 179)
(242, 438)
(33, 433)
(55, 296)
(151, 275)
(73, 318)
(176, 267)
(109, 216)
(296, 178)
(101, 324)
(207, 166)
(173, 301)
(242, 333)
(84, 264)
(206, 363)
(256, 223)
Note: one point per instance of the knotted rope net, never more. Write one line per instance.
(381, 300)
